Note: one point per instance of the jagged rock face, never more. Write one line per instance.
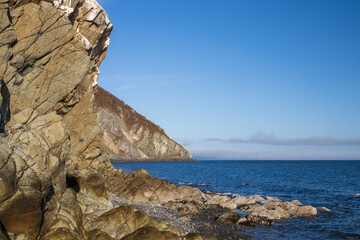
(129, 135)
(49, 57)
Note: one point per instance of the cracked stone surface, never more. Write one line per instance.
(53, 170)
(50, 52)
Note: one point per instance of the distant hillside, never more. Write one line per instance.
(129, 135)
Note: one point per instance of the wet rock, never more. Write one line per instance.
(233, 218)
(259, 220)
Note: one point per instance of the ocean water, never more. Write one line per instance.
(331, 186)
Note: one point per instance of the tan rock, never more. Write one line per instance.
(228, 205)
(296, 202)
(193, 236)
(271, 205)
(215, 199)
(287, 206)
(254, 208)
(277, 213)
(90, 181)
(122, 221)
(45, 72)
(146, 233)
(258, 199)
(188, 208)
(306, 211)
(272, 199)
(239, 200)
(233, 218)
(250, 200)
(99, 235)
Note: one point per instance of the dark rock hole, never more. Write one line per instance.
(5, 106)
(3, 232)
(71, 182)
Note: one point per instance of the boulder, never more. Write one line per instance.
(259, 220)
(99, 235)
(216, 199)
(228, 205)
(296, 202)
(272, 199)
(258, 199)
(239, 200)
(145, 233)
(306, 211)
(188, 208)
(271, 205)
(233, 218)
(277, 213)
(124, 220)
(288, 206)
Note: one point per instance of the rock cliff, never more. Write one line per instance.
(52, 169)
(49, 57)
(128, 135)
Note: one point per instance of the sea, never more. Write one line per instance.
(333, 187)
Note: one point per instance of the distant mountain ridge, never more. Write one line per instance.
(127, 135)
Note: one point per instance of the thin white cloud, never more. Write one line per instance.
(186, 142)
(267, 155)
(272, 139)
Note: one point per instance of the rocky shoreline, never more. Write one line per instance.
(188, 211)
(202, 222)
(220, 216)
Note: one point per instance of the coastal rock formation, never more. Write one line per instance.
(129, 135)
(52, 167)
(55, 178)
(52, 170)
(279, 210)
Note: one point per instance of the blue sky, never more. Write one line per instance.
(241, 79)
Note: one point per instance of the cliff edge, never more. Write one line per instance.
(128, 135)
